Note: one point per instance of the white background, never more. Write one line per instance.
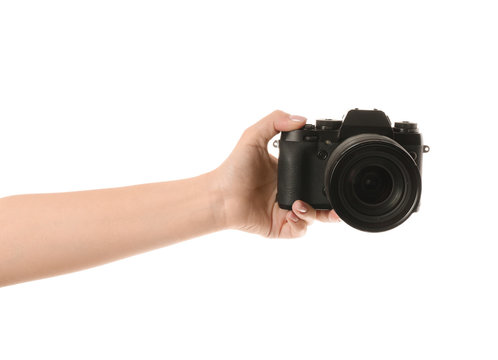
(100, 94)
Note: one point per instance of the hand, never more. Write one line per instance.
(248, 182)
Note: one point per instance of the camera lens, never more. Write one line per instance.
(372, 182)
(372, 185)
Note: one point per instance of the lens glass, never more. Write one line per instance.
(372, 185)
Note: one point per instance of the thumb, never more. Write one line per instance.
(272, 124)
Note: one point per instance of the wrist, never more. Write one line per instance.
(217, 199)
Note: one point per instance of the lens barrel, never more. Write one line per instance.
(372, 182)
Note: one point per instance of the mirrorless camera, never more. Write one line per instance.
(366, 170)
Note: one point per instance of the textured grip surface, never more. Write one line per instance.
(300, 175)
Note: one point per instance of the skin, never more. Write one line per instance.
(43, 235)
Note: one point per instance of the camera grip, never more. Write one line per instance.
(291, 167)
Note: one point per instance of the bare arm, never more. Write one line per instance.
(48, 234)
(43, 235)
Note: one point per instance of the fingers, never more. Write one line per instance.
(327, 216)
(271, 125)
(297, 226)
(333, 217)
(304, 212)
(302, 215)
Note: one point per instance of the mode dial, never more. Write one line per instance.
(405, 126)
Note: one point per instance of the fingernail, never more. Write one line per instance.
(297, 118)
(301, 208)
(293, 217)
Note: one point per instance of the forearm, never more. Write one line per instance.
(47, 234)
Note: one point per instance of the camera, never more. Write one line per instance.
(365, 169)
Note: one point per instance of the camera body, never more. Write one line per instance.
(317, 161)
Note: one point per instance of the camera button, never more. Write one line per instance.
(322, 155)
(311, 138)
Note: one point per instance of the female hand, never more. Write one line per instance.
(48, 234)
(248, 181)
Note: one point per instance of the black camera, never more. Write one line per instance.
(366, 170)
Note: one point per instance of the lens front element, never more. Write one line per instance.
(372, 182)
(372, 185)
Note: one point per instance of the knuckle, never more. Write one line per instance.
(248, 133)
